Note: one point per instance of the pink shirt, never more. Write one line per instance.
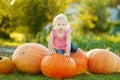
(60, 43)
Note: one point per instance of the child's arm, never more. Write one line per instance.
(50, 43)
(68, 45)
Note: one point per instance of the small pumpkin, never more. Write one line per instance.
(6, 65)
(27, 57)
(58, 66)
(81, 61)
(103, 61)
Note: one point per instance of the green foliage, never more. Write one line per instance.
(94, 16)
(31, 15)
(7, 21)
(114, 3)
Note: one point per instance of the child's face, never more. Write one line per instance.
(60, 24)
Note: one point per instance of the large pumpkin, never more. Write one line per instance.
(28, 57)
(6, 65)
(58, 66)
(81, 61)
(103, 61)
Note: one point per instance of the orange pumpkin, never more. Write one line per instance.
(6, 65)
(103, 61)
(58, 66)
(81, 61)
(27, 57)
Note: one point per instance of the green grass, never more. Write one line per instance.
(21, 76)
(88, 42)
(84, 42)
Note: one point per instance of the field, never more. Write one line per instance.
(85, 43)
(21, 76)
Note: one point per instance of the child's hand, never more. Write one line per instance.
(50, 53)
(66, 55)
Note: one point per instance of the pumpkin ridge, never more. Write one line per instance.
(61, 67)
(30, 61)
(103, 61)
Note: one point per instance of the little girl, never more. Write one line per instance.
(60, 41)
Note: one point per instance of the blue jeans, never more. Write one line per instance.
(74, 49)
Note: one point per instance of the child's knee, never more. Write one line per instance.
(74, 48)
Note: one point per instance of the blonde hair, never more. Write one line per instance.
(60, 17)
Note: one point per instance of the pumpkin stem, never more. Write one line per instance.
(0, 58)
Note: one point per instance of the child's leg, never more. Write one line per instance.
(59, 51)
(74, 48)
